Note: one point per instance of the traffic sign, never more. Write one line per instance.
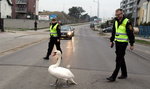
(52, 16)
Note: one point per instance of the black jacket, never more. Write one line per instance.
(58, 29)
(128, 29)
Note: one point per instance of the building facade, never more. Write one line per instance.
(128, 6)
(25, 9)
(143, 11)
(5, 9)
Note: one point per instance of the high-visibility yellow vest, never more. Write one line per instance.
(121, 34)
(53, 31)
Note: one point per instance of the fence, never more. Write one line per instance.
(144, 31)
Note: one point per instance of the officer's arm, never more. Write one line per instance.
(58, 31)
(130, 33)
(113, 33)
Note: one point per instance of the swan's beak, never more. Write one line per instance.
(54, 54)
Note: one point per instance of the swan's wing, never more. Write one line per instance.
(63, 73)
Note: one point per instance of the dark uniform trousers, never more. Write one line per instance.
(53, 41)
(120, 60)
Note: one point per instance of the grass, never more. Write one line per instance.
(142, 42)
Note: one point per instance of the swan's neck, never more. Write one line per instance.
(58, 61)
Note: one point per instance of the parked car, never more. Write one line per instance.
(95, 26)
(108, 29)
(67, 31)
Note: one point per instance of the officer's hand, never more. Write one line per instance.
(111, 44)
(131, 47)
(58, 40)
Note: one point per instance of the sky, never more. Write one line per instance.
(106, 8)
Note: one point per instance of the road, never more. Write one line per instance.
(91, 60)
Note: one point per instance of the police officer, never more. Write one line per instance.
(121, 34)
(2, 24)
(54, 38)
(35, 25)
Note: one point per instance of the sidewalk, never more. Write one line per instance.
(14, 40)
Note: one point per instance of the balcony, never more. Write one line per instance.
(21, 1)
(131, 2)
(130, 7)
(21, 10)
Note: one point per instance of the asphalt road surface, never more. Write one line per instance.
(90, 59)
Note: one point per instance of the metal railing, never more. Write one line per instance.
(21, 10)
(21, 1)
(144, 31)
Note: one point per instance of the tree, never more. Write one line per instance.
(75, 12)
(85, 17)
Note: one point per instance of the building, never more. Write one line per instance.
(143, 11)
(128, 6)
(25, 9)
(5, 9)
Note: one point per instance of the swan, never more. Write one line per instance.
(61, 72)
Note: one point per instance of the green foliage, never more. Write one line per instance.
(143, 42)
(75, 12)
(85, 17)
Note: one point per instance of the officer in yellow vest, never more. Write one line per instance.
(55, 35)
(122, 34)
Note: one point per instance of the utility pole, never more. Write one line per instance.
(97, 7)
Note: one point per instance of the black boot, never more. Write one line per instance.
(122, 77)
(111, 79)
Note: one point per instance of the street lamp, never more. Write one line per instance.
(97, 7)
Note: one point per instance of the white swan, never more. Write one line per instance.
(61, 72)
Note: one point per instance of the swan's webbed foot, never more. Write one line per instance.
(66, 85)
(72, 82)
(55, 84)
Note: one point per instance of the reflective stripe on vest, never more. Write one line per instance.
(121, 34)
(53, 31)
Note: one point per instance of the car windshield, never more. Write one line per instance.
(65, 28)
